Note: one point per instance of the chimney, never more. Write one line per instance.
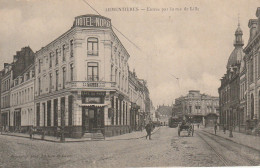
(252, 24)
(258, 18)
(15, 58)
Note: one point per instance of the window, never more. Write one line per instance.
(116, 75)
(119, 61)
(71, 72)
(93, 71)
(70, 110)
(38, 114)
(71, 48)
(49, 113)
(50, 61)
(50, 83)
(56, 57)
(119, 79)
(39, 70)
(63, 77)
(57, 79)
(111, 78)
(92, 46)
(55, 109)
(258, 64)
(251, 71)
(39, 86)
(63, 53)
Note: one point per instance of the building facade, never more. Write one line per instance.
(14, 74)
(229, 91)
(82, 81)
(252, 74)
(196, 104)
(22, 101)
(140, 102)
(6, 81)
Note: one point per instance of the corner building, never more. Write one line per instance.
(81, 81)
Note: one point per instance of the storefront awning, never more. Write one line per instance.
(95, 105)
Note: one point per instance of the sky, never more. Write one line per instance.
(193, 46)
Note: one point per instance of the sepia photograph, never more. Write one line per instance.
(129, 83)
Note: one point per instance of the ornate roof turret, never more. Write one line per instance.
(237, 54)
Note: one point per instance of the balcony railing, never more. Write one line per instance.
(87, 84)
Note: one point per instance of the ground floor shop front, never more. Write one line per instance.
(81, 112)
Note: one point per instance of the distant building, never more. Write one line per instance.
(164, 112)
(197, 104)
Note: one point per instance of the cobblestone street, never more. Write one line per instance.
(165, 149)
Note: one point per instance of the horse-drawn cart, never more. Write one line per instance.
(186, 125)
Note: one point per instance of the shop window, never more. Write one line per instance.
(49, 113)
(70, 110)
(38, 114)
(55, 109)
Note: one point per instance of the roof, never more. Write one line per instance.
(235, 57)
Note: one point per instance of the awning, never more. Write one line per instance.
(95, 105)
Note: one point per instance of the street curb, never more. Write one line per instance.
(232, 141)
(77, 140)
(133, 138)
(32, 138)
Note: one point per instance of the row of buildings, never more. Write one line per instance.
(239, 92)
(204, 108)
(80, 82)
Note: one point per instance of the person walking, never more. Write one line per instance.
(215, 128)
(148, 129)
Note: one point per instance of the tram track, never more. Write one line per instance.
(227, 162)
(251, 162)
(223, 160)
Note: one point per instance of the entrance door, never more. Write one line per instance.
(92, 119)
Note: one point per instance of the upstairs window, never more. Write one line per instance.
(63, 77)
(63, 53)
(56, 57)
(50, 61)
(71, 48)
(57, 80)
(93, 71)
(71, 72)
(92, 46)
(39, 68)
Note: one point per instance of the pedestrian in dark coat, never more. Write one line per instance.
(148, 129)
(215, 128)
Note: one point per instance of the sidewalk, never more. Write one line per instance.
(132, 135)
(240, 138)
(128, 136)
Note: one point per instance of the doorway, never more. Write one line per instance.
(92, 119)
